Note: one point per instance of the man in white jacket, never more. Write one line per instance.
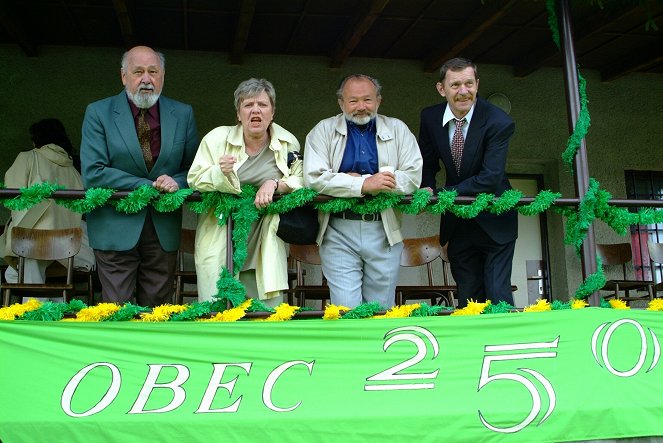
(354, 154)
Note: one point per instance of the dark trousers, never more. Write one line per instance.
(146, 268)
(480, 266)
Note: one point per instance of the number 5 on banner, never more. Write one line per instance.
(416, 336)
(518, 378)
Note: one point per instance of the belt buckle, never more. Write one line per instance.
(368, 217)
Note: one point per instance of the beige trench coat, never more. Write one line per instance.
(206, 176)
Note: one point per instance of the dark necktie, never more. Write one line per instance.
(457, 143)
(145, 138)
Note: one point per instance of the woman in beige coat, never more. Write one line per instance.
(255, 152)
(51, 160)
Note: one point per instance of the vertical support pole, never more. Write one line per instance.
(588, 253)
(229, 249)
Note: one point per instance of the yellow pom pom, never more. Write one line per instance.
(97, 313)
(541, 305)
(578, 304)
(283, 312)
(162, 313)
(618, 304)
(18, 309)
(472, 308)
(334, 312)
(655, 305)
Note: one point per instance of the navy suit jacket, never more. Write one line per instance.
(111, 157)
(482, 168)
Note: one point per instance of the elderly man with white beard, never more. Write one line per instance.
(137, 138)
(357, 153)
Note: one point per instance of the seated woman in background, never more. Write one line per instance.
(255, 152)
(50, 160)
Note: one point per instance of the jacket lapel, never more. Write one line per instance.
(168, 126)
(441, 134)
(124, 123)
(473, 138)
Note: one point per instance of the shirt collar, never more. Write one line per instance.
(448, 115)
(135, 110)
(370, 126)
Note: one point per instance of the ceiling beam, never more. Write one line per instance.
(246, 11)
(410, 27)
(125, 19)
(16, 31)
(638, 60)
(583, 29)
(468, 33)
(354, 34)
(297, 27)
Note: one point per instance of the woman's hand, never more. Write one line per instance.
(266, 193)
(226, 163)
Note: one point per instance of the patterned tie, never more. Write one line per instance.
(457, 143)
(145, 138)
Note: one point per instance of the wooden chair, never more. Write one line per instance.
(43, 244)
(301, 255)
(655, 258)
(182, 274)
(83, 280)
(620, 254)
(423, 252)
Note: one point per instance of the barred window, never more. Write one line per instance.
(644, 185)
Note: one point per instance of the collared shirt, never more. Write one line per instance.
(448, 116)
(154, 121)
(361, 150)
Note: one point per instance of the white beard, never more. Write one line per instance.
(360, 119)
(143, 100)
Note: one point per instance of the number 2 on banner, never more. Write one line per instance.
(518, 378)
(416, 336)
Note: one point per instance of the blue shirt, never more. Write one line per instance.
(361, 150)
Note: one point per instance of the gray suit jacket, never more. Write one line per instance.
(111, 157)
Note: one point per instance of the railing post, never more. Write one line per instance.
(588, 253)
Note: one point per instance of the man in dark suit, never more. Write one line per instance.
(471, 137)
(137, 138)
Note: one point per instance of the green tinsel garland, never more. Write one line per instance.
(364, 310)
(418, 202)
(171, 201)
(94, 198)
(242, 209)
(592, 283)
(31, 196)
(500, 308)
(542, 202)
(426, 310)
(127, 312)
(137, 200)
(50, 311)
(195, 310)
(558, 305)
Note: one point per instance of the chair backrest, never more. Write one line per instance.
(424, 251)
(655, 252)
(188, 241)
(187, 246)
(615, 254)
(655, 258)
(46, 244)
(185, 272)
(304, 254)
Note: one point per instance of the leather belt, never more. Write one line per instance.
(351, 215)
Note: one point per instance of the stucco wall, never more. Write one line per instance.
(625, 133)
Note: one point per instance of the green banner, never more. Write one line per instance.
(546, 377)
